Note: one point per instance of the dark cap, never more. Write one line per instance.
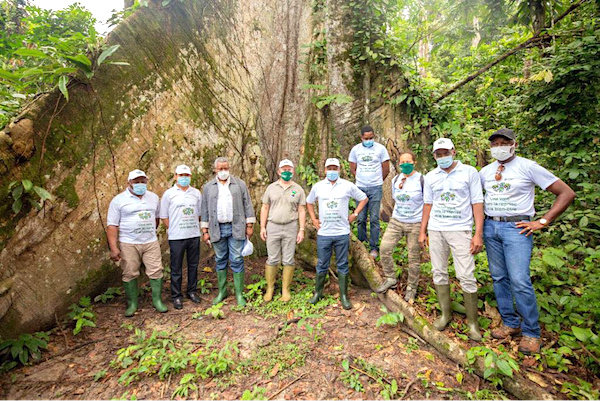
(505, 132)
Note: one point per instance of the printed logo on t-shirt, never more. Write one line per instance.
(294, 193)
(144, 215)
(367, 158)
(448, 196)
(501, 187)
(332, 204)
(403, 197)
(188, 211)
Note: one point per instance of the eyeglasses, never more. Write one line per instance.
(498, 175)
(402, 182)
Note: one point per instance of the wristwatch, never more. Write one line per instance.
(543, 221)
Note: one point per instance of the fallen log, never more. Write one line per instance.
(518, 385)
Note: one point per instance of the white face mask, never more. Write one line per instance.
(223, 175)
(502, 153)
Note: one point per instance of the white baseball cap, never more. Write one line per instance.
(183, 169)
(135, 174)
(286, 162)
(443, 143)
(332, 162)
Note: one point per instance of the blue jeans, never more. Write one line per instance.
(229, 248)
(509, 254)
(374, 194)
(325, 245)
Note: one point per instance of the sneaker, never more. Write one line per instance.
(530, 345)
(374, 253)
(504, 331)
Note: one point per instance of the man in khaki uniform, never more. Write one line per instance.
(282, 219)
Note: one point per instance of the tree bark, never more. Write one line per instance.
(518, 385)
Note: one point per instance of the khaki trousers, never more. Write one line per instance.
(459, 242)
(281, 243)
(132, 256)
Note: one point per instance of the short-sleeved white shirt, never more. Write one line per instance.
(368, 164)
(409, 198)
(135, 217)
(514, 194)
(452, 196)
(182, 208)
(333, 205)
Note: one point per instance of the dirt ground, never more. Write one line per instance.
(278, 351)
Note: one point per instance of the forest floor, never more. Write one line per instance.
(266, 351)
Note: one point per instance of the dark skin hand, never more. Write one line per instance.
(564, 197)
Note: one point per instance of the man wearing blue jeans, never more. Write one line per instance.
(227, 219)
(370, 164)
(509, 185)
(333, 225)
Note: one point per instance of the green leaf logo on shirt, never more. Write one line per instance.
(332, 204)
(447, 196)
(402, 198)
(294, 194)
(144, 215)
(188, 211)
(501, 187)
(367, 158)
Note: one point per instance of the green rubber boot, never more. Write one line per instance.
(131, 293)
(443, 294)
(156, 285)
(472, 312)
(238, 284)
(319, 284)
(222, 280)
(343, 280)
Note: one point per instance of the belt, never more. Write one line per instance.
(508, 218)
(229, 222)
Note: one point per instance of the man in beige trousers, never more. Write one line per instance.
(282, 219)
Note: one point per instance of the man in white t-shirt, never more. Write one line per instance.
(407, 192)
(132, 219)
(180, 213)
(509, 185)
(333, 225)
(370, 164)
(453, 199)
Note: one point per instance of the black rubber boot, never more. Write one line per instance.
(319, 284)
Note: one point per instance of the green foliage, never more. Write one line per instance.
(581, 390)
(109, 294)
(215, 311)
(25, 192)
(82, 314)
(257, 393)
(100, 375)
(186, 384)
(27, 348)
(308, 174)
(496, 365)
(389, 318)
(351, 377)
(204, 286)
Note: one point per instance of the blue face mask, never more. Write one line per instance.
(368, 143)
(445, 162)
(140, 188)
(184, 181)
(333, 175)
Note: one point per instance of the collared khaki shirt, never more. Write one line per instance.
(283, 203)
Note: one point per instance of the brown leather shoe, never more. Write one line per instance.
(504, 331)
(530, 345)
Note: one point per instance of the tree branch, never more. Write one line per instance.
(536, 37)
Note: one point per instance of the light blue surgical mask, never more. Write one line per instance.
(445, 162)
(333, 175)
(368, 143)
(139, 188)
(184, 181)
